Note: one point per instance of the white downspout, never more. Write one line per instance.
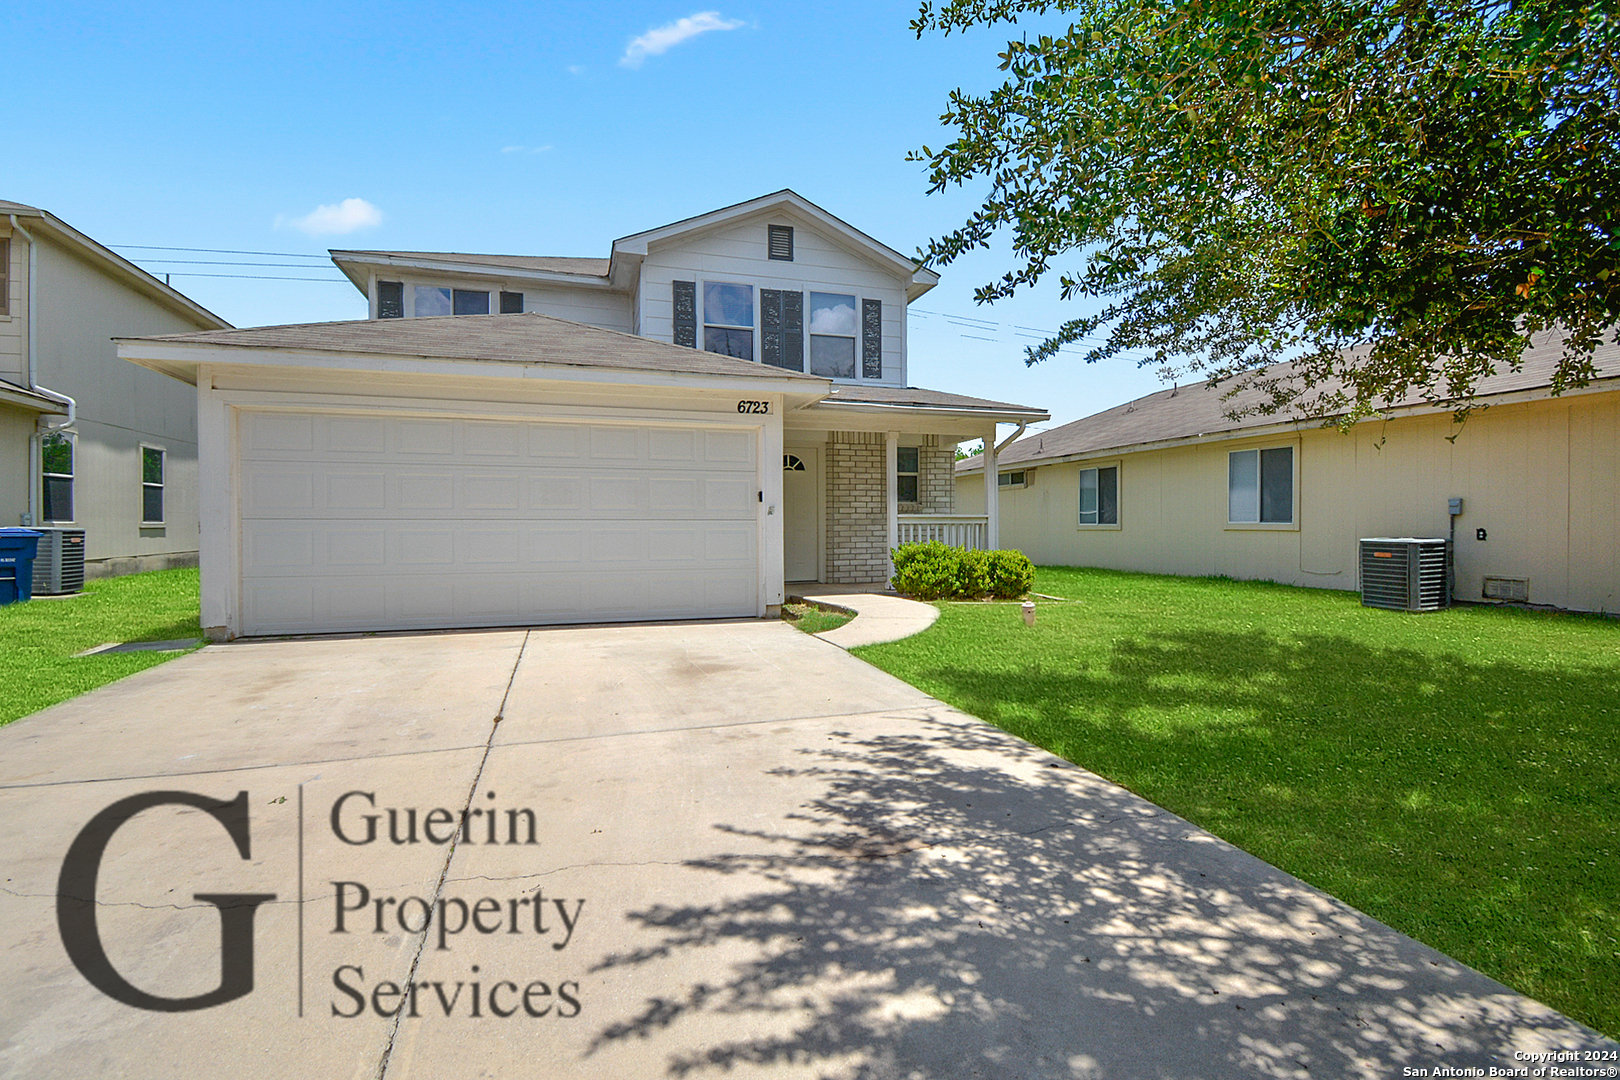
(1014, 437)
(34, 450)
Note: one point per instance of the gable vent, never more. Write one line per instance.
(780, 244)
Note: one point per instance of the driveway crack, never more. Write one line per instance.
(449, 856)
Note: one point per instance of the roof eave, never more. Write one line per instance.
(121, 268)
(481, 271)
(1507, 397)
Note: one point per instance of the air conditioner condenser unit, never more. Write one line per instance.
(1404, 573)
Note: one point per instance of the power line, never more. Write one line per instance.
(255, 277)
(224, 262)
(215, 251)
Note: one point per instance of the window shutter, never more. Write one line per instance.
(686, 313)
(779, 244)
(782, 318)
(390, 300)
(872, 339)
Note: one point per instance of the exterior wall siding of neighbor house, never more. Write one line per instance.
(121, 408)
(16, 428)
(14, 317)
(736, 253)
(1542, 478)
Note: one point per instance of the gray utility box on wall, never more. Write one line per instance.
(1404, 573)
(59, 565)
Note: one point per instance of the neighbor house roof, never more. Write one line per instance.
(529, 338)
(1199, 410)
(110, 263)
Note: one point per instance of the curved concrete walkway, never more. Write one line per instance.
(879, 616)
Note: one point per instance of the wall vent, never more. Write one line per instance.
(59, 565)
(779, 242)
(1507, 588)
(1404, 573)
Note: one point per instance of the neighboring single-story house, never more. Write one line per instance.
(88, 442)
(736, 416)
(1167, 484)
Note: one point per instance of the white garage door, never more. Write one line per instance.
(354, 522)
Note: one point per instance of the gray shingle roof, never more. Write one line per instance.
(530, 338)
(926, 399)
(1197, 410)
(554, 264)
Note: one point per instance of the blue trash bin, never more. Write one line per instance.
(17, 550)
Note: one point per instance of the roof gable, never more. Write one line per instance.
(628, 251)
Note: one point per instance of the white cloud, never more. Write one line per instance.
(661, 39)
(525, 149)
(838, 319)
(576, 69)
(336, 218)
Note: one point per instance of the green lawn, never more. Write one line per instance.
(813, 619)
(1455, 775)
(38, 638)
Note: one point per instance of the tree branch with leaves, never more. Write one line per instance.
(1393, 194)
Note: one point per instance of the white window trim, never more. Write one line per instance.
(145, 521)
(1226, 482)
(753, 285)
(1119, 496)
(898, 473)
(73, 439)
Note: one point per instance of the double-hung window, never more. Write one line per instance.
(56, 479)
(832, 335)
(153, 466)
(728, 319)
(1099, 496)
(1260, 486)
(906, 474)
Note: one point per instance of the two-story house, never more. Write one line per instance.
(720, 407)
(87, 442)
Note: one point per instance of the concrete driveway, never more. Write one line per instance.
(751, 854)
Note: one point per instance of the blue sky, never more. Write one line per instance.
(545, 129)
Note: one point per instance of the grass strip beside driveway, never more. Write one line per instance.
(1455, 775)
(38, 639)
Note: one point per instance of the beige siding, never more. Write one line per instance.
(16, 428)
(1540, 477)
(594, 307)
(14, 318)
(736, 253)
(120, 406)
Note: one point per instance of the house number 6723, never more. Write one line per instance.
(753, 406)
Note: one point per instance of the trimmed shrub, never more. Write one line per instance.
(933, 571)
(1010, 574)
(926, 571)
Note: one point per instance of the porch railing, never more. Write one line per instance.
(969, 531)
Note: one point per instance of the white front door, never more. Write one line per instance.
(368, 522)
(801, 552)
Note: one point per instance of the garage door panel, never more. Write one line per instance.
(512, 523)
(355, 435)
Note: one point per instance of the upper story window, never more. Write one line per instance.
(440, 300)
(832, 335)
(511, 303)
(728, 319)
(845, 331)
(390, 299)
